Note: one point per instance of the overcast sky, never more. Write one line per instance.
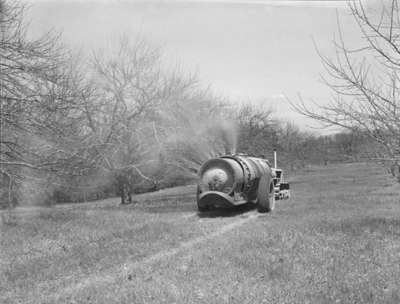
(246, 50)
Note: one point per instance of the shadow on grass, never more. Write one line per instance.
(227, 212)
(168, 208)
(178, 207)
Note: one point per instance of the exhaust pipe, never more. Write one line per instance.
(275, 160)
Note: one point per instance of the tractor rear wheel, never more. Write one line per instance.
(200, 208)
(265, 195)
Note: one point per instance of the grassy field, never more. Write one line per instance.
(336, 241)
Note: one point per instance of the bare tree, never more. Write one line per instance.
(129, 123)
(257, 130)
(294, 146)
(41, 97)
(365, 80)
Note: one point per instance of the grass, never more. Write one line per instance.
(336, 241)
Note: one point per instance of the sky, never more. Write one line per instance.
(249, 51)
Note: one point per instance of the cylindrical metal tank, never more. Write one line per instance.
(231, 180)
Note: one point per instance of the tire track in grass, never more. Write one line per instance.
(120, 271)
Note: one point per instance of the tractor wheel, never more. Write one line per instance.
(265, 196)
(200, 208)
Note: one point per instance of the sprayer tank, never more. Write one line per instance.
(231, 180)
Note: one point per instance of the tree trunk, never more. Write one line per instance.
(125, 194)
(395, 170)
(124, 189)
